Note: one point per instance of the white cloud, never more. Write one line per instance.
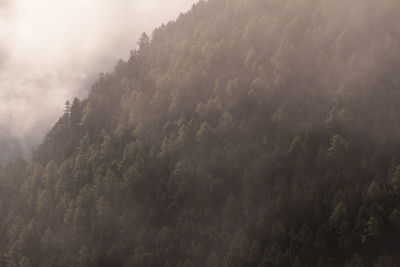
(51, 49)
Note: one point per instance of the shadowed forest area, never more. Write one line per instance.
(245, 133)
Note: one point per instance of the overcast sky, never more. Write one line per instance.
(52, 50)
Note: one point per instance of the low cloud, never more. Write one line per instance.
(52, 50)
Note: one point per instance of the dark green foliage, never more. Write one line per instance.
(246, 133)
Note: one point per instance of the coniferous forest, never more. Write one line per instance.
(245, 133)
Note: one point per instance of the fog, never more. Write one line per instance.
(52, 50)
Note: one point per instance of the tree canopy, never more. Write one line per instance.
(245, 133)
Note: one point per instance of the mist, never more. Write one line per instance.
(52, 50)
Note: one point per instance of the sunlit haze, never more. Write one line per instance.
(52, 50)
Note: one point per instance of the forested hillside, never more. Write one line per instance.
(245, 133)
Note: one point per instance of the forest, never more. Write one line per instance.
(244, 133)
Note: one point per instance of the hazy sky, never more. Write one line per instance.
(51, 50)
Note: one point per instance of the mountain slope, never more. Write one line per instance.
(246, 133)
(9, 146)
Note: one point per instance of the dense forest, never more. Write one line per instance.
(245, 133)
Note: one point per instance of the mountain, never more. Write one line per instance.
(245, 133)
(10, 147)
